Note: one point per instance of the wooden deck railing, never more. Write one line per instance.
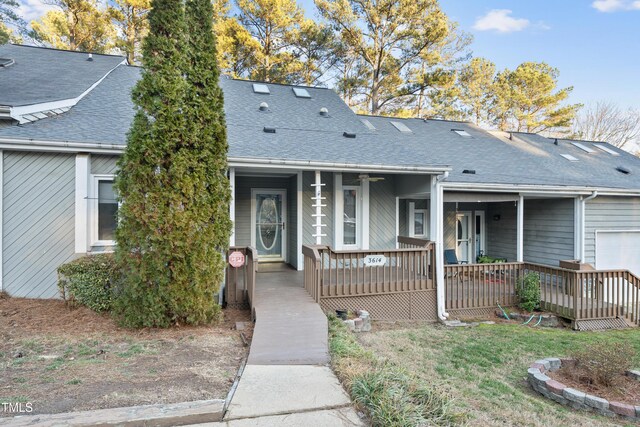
(329, 273)
(240, 282)
(575, 295)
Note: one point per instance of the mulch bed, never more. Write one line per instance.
(63, 359)
(625, 389)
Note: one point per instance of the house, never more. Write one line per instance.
(306, 172)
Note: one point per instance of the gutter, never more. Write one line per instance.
(569, 191)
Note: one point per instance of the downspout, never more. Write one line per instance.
(439, 206)
(583, 215)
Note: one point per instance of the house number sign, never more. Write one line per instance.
(236, 259)
(375, 260)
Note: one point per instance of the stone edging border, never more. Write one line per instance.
(577, 399)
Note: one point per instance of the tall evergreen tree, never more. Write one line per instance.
(174, 212)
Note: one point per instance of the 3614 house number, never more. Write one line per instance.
(375, 260)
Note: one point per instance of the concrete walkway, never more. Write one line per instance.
(287, 381)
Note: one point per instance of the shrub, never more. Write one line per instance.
(528, 291)
(90, 281)
(602, 363)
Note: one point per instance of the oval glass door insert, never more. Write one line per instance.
(268, 223)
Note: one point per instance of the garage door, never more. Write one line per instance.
(618, 250)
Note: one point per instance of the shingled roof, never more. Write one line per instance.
(322, 128)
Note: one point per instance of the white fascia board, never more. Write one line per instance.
(538, 189)
(19, 111)
(59, 146)
(333, 167)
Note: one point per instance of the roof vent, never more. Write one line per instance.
(324, 112)
(462, 132)
(90, 58)
(261, 88)
(401, 127)
(623, 170)
(349, 134)
(469, 171)
(6, 62)
(269, 130)
(264, 106)
(555, 141)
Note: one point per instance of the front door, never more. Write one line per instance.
(268, 219)
(463, 236)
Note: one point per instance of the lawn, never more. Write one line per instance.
(483, 369)
(64, 360)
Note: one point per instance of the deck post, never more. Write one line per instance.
(578, 212)
(520, 230)
(436, 225)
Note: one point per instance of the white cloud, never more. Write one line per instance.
(608, 6)
(33, 9)
(500, 20)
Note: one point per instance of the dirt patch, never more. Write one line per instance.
(63, 360)
(624, 389)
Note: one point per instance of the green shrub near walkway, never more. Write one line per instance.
(90, 281)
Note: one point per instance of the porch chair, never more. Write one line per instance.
(450, 257)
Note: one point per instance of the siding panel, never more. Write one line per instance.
(382, 214)
(38, 221)
(609, 213)
(548, 230)
(104, 164)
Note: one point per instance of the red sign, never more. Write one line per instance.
(236, 259)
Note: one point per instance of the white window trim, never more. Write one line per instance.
(425, 223)
(359, 222)
(470, 233)
(93, 210)
(284, 215)
(483, 232)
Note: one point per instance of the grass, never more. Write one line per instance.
(389, 394)
(484, 368)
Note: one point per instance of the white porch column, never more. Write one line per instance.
(299, 208)
(83, 171)
(436, 226)
(338, 209)
(318, 205)
(411, 225)
(520, 230)
(232, 206)
(365, 214)
(578, 228)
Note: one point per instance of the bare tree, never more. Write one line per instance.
(606, 121)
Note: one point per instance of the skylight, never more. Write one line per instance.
(401, 127)
(606, 149)
(261, 88)
(368, 124)
(569, 157)
(301, 93)
(584, 147)
(462, 133)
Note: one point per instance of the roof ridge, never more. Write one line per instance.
(235, 79)
(66, 50)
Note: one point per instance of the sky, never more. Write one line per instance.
(594, 43)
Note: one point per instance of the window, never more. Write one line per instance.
(104, 211)
(420, 223)
(584, 147)
(401, 127)
(261, 88)
(462, 132)
(350, 217)
(301, 93)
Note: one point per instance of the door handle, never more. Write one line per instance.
(283, 225)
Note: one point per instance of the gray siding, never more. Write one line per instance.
(308, 230)
(609, 213)
(501, 234)
(382, 214)
(548, 231)
(104, 164)
(38, 221)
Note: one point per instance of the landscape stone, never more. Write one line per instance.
(541, 379)
(596, 402)
(623, 409)
(634, 374)
(554, 363)
(574, 395)
(555, 386)
(545, 363)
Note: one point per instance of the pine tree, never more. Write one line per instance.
(174, 197)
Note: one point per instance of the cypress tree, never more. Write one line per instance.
(173, 220)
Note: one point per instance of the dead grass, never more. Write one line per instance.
(484, 368)
(69, 360)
